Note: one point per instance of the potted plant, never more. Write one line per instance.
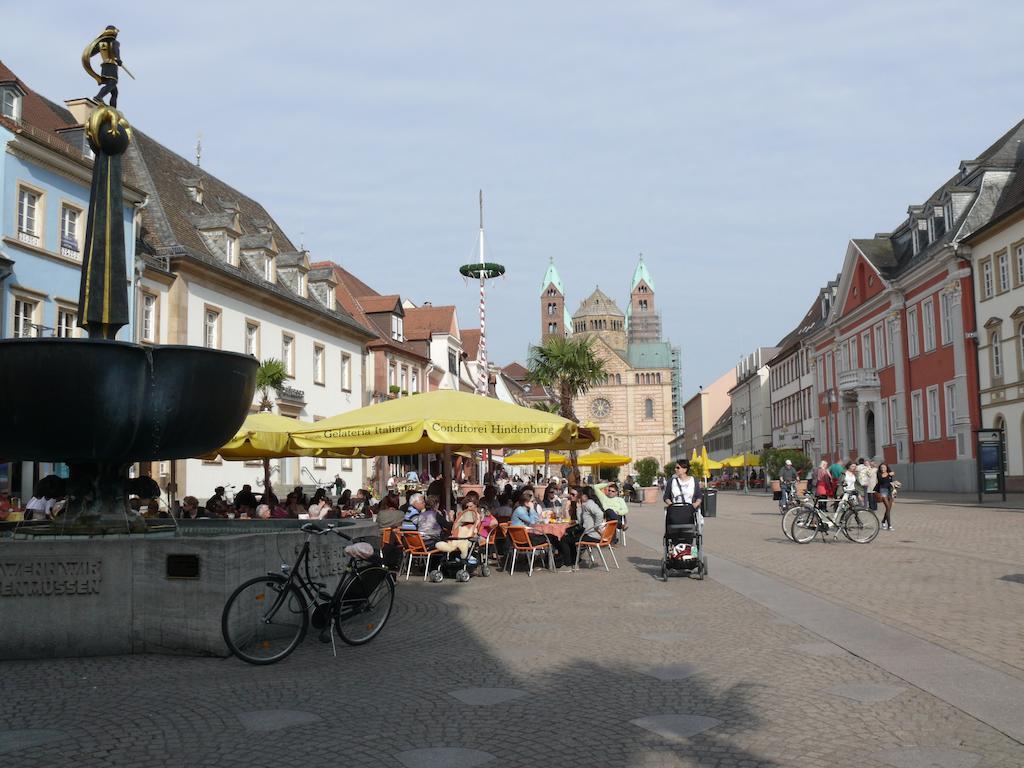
(394, 389)
(646, 471)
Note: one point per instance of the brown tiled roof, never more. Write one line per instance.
(371, 304)
(355, 286)
(36, 110)
(516, 371)
(169, 218)
(343, 292)
(421, 322)
(470, 341)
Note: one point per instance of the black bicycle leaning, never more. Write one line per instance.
(267, 617)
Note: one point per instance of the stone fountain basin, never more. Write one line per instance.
(94, 400)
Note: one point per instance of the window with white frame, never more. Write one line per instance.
(819, 375)
(986, 280)
(67, 318)
(886, 439)
(70, 219)
(938, 222)
(997, 355)
(934, 428)
(1020, 264)
(346, 372)
(893, 418)
(268, 268)
(1004, 272)
(912, 332)
(10, 104)
(405, 379)
(319, 366)
(288, 353)
(949, 394)
(891, 328)
(302, 283)
(946, 318)
(252, 338)
(828, 370)
(865, 343)
(149, 308)
(28, 216)
(414, 381)
(211, 328)
(397, 328)
(852, 344)
(915, 414)
(24, 324)
(843, 359)
(928, 322)
(231, 250)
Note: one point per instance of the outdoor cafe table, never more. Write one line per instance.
(555, 529)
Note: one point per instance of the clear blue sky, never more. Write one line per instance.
(738, 145)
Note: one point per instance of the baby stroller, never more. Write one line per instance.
(456, 565)
(683, 549)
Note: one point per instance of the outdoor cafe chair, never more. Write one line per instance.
(416, 549)
(605, 542)
(519, 538)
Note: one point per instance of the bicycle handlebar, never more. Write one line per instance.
(314, 528)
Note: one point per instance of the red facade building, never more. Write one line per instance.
(896, 363)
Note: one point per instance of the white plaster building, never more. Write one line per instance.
(751, 403)
(997, 256)
(213, 269)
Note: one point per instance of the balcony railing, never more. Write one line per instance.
(858, 378)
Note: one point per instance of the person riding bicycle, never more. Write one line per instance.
(787, 484)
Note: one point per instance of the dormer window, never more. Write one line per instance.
(302, 283)
(10, 103)
(938, 222)
(397, 328)
(920, 235)
(268, 269)
(231, 250)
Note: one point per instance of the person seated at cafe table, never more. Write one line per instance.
(590, 514)
(525, 514)
(551, 501)
(431, 523)
(464, 529)
(615, 507)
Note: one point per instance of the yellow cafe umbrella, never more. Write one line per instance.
(535, 456)
(694, 457)
(262, 436)
(441, 421)
(709, 463)
(603, 459)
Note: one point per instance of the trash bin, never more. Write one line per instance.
(709, 507)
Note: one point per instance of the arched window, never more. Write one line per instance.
(1020, 341)
(618, 378)
(648, 408)
(551, 308)
(997, 355)
(658, 378)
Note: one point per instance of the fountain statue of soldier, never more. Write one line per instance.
(109, 50)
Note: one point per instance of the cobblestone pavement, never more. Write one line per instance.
(951, 575)
(585, 669)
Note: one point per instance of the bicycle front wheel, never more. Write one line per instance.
(787, 520)
(364, 605)
(860, 525)
(264, 619)
(804, 527)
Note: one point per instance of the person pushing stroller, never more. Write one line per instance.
(684, 524)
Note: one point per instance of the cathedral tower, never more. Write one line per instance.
(554, 318)
(642, 318)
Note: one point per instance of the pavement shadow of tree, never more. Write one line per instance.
(548, 644)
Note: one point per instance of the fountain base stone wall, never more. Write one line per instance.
(137, 594)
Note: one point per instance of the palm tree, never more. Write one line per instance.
(269, 376)
(570, 367)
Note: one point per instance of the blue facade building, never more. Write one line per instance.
(45, 174)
